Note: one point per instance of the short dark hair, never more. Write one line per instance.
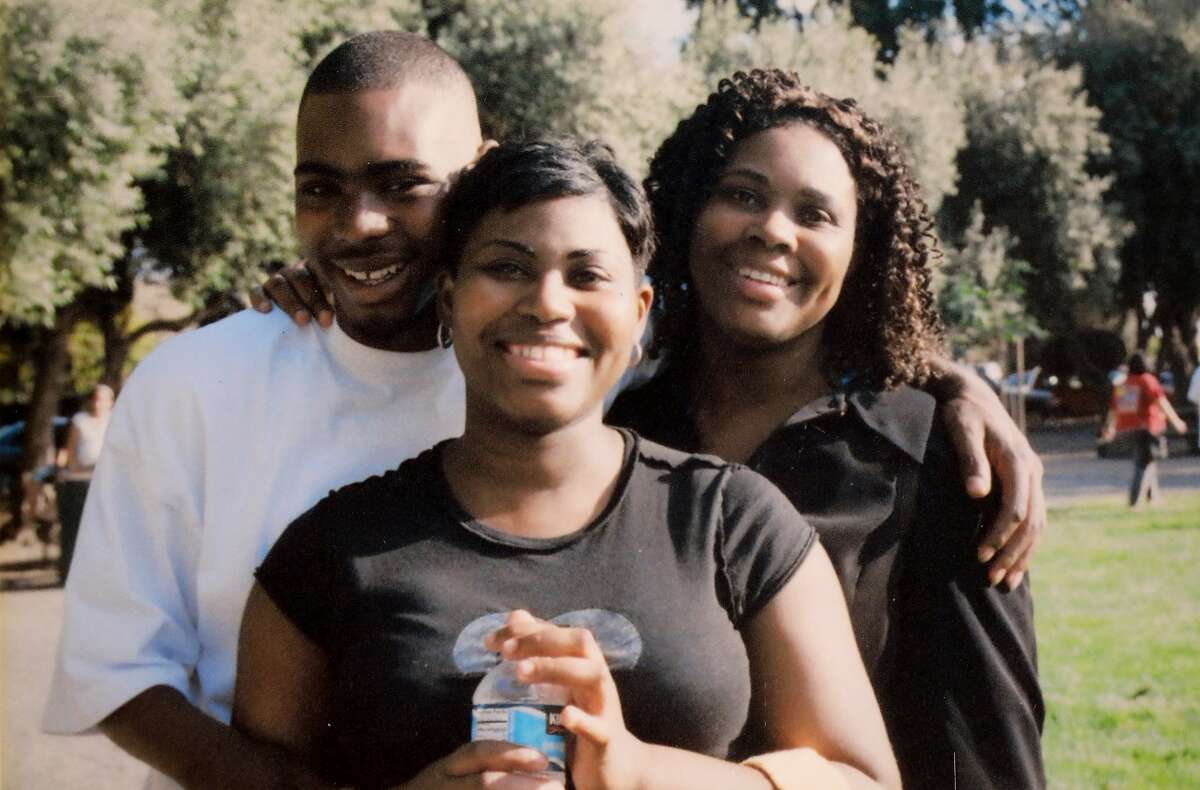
(884, 327)
(385, 59)
(516, 174)
(1137, 364)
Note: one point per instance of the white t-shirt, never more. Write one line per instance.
(90, 430)
(220, 439)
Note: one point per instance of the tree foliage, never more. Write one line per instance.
(1141, 65)
(914, 96)
(565, 67)
(89, 106)
(886, 20)
(981, 290)
(153, 140)
(1030, 137)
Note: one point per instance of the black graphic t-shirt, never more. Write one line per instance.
(385, 575)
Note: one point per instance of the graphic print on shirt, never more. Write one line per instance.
(1127, 398)
(504, 709)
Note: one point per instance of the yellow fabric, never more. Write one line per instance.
(798, 769)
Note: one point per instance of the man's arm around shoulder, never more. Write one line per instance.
(162, 728)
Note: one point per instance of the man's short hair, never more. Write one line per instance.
(385, 59)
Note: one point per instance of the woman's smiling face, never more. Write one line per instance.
(546, 306)
(774, 241)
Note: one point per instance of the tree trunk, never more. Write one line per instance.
(117, 345)
(1175, 350)
(50, 379)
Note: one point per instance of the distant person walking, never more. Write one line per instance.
(83, 450)
(1140, 405)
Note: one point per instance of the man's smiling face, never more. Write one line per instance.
(371, 168)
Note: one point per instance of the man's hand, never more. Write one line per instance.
(160, 727)
(987, 441)
(297, 292)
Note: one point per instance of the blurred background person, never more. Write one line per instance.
(84, 441)
(1139, 405)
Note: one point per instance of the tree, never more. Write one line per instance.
(565, 67)
(981, 291)
(915, 97)
(89, 106)
(1030, 137)
(886, 20)
(1141, 65)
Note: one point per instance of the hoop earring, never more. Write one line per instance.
(635, 356)
(445, 335)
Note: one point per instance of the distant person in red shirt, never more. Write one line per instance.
(1140, 405)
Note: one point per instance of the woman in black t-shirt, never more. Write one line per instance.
(794, 268)
(546, 538)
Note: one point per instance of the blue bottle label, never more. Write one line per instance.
(536, 726)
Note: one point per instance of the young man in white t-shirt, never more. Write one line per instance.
(224, 435)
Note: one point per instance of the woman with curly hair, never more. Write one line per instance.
(794, 275)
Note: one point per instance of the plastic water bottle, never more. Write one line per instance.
(505, 709)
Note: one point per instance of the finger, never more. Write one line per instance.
(1017, 544)
(520, 623)
(280, 292)
(964, 423)
(1015, 493)
(552, 641)
(307, 290)
(582, 724)
(1019, 541)
(584, 676)
(494, 780)
(260, 301)
(479, 756)
(1037, 522)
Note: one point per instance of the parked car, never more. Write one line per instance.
(1038, 399)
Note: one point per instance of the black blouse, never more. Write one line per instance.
(953, 661)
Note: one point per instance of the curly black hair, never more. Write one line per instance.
(884, 327)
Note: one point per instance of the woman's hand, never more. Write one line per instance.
(487, 765)
(604, 755)
(296, 292)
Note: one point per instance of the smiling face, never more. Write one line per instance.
(371, 168)
(545, 306)
(773, 243)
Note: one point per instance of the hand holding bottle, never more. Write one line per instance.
(486, 765)
(605, 756)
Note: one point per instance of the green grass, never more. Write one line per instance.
(1118, 618)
